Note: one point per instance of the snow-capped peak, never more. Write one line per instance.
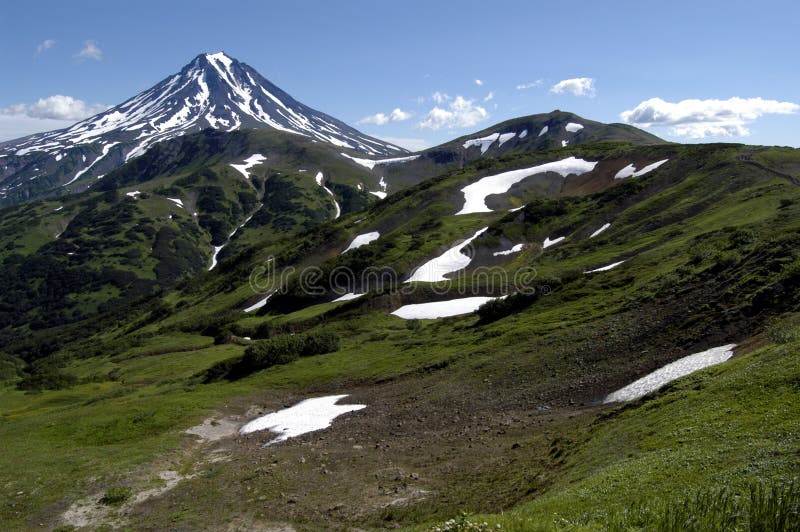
(213, 90)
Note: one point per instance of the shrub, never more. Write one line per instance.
(274, 351)
(116, 496)
(47, 379)
(496, 309)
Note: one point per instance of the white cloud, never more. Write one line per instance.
(459, 113)
(532, 85)
(706, 130)
(379, 119)
(46, 114)
(44, 45)
(699, 119)
(412, 144)
(479, 82)
(91, 50)
(489, 97)
(575, 86)
(57, 107)
(16, 126)
(440, 97)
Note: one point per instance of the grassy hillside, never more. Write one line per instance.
(497, 413)
(155, 222)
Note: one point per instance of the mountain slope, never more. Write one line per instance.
(483, 412)
(212, 91)
(173, 212)
(525, 134)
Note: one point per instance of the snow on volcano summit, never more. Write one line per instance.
(212, 91)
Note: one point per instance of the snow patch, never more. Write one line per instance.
(544, 130)
(251, 161)
(630, 170)
(450, 261)
(564, 143)
(483, 142)
(505, 137)
(516, 249)
(362, 240)
(258, 305)
(605, 268)
(605, 226)
(217, 249)
(319, 178)
(441, 309)
(476, 193)
(670, 372)
(347, 297)
(547, 242)
(523, 134)
(572, 127)
(304, 417)
(372, 163)
(132, 193)
(176, 201)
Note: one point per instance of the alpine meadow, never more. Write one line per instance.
(527, 307)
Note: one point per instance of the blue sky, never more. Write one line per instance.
(687, 71)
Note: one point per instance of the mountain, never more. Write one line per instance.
(195, 200)
(128, 369)
(212, 91)
(524, 134)
(173, 212)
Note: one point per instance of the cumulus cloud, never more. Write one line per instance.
(460, 112)
(379, 119)
(531, 85)
(46, 114)
(16, 126)
(412, 144)
(90, 50)
(699, 119)
(45, 45)
(440, 97)
(479, 82)
(489, 97)
(575, 86)
(57, 107)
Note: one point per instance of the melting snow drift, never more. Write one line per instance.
(605, 226)
(606, 268)
(258, 305)
(450, 261)
(306, 416)
(475, 194)
(363, 240)
(320, 181)
(630, 170)
(572, 127)
(516, 249)
(670, 372)
(441, 309)
(547, 242)
(347, 297)
(483, 142)
(249, 163)
(372, 163)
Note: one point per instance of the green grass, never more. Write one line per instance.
(716, 450)
(711, 256)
